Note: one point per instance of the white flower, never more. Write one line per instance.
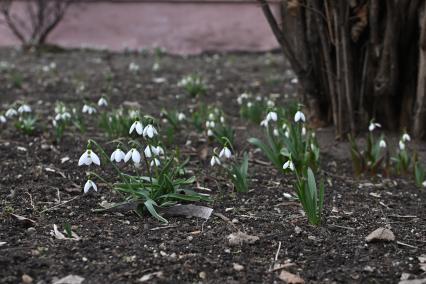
(272, 115)
(134, 154)
(88, 158)
(424, 183)
(299, 116)
(155, 162)
(258, 98)
(11, 113)
(275, 132)
(181, 116)
(270, 103)
(102, 102)
(88, 109)
(294, 81)
(249, 104)
(156, 66)
(63, 116)
(240, 100)
(406, 137)
(373, 126)
(264, 123)
(137, 125)
(222, 119)
(117, 155)
(225, 152)
(157, 151)
(288, 165)
(147, 151)
(133, 67)
(24, 108)
(382, 144)
(211, 116)
(287, 134)
(89, 184)
(149, 131)
(210, 133)
(210, 124)
(401, 145)
(214, 161)
(2, 119)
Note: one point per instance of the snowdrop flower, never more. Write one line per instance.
(382, 144)
(401, 145)
(102, 102)
(275, 132)
(134, 154)
(264, 123)
(272, 115)
(133, 67)
(211, 116)
(88, 158)
(225, 152)
(88, 109)
(240, 100)
(181, 116)
(149, 131)
(424, 183)
(222, 119)
(214, 161)
(303, 131)
(117, 155)
(24, 108)
(148, 152)
(294, 81)
(299, 116)
(158, 151)
(137, 125)
(89, 184)
(155, 162)
(258, 98)
(406, 137)
(373, 125)
(2, 119)
(287, 134)
(156, 66)
(270, 103)
(63, 116)
(288, 165)
(210, 124)
(249, 104)
(210, 133)
(11, 113)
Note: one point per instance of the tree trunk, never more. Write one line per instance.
(357, 60)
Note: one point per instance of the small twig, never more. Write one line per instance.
(278, 251)
(403, 216)
(59, 205)
(407, 245)
(342, 227)
(31, 200)
(164, 227)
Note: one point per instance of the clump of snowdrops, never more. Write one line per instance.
(155, 180)
(193, 84)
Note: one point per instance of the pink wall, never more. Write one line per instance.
(185, 27)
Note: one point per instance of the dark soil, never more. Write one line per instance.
(120, 247)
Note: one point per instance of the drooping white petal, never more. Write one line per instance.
(2, 119)
(128, 156)
(136, 156)
(214, 161)
(95, 158)
(84, 159)
(132, 127)
(102, 102)
(264, 123)
(382, 144)
(139, 127)
(155, 162)
(87, 186)
(272, 116)
(401, 145)
(148, 152)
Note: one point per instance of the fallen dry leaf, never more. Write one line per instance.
(70, 279)
(61, 236)
(290, 278)
(413, 281)
(23, 220)
(380, 234)
(240, 238)
(237, 266)
(422, 260)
